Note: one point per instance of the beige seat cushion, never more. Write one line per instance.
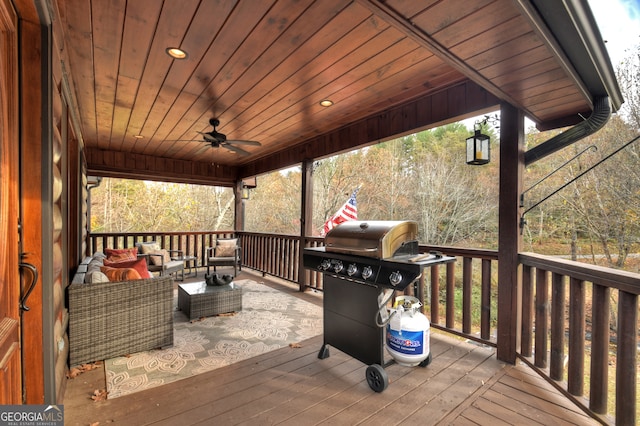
(226, 248)
(157, 260)
(149, 247)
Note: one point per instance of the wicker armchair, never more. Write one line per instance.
(157, 263)
(118, 318)
(226, 252)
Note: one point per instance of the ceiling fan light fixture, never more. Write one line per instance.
(176, 53)
(326, 102)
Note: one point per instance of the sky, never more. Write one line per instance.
(619, 24)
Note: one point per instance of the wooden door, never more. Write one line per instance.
(10, 289)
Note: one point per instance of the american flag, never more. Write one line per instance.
(348, 211)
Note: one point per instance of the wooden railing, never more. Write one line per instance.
(191, 243)
(461, 298)
(276, 255)
(469, 296)
(558, 329)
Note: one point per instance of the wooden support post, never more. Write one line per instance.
(509, 239)
(239, 206)
(306, 219)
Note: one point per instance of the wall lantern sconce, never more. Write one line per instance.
(247, 184)
(244, 193)
(478, 148)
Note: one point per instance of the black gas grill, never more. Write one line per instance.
(360, 260)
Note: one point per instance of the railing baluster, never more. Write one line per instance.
(450, 302)
(556, 366)
(485, 301)
(466, 294)
(599, 349)
(575, 380)
(527, 312)
(435, 294)
(542, 315)
(626, 363)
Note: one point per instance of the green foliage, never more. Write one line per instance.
(121, 205)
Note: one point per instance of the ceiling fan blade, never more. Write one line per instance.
(249, 143)
(235, 149)
(202, 149)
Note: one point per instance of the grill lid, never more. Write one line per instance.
(381, 239)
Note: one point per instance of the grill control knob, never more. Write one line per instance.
(338, 266)
(324, 265)
(395, 278)
(352, 269)
(367, 272)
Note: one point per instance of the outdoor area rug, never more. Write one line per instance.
(269, 320)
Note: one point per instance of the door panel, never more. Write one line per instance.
(10, 356)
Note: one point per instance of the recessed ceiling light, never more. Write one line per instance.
(138, 136)
(326, 103)
(176, 53)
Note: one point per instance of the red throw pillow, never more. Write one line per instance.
(120, 274)
(139, 265)
(116, 255)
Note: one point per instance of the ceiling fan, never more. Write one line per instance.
(217, 139)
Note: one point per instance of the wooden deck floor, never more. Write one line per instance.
(463, 385)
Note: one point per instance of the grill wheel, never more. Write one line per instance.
(377, 378)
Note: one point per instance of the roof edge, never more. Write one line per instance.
(582, 44)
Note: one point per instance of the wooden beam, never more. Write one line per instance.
(129, 165)
(509, 238)
(454, 103)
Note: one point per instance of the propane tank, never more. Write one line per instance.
(408, 332)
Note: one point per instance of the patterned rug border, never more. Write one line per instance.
(270, 319)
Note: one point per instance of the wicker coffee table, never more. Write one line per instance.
(199, 300)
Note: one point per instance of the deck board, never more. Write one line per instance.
(464, 384)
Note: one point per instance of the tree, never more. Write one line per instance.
(121, 205)
(606, 201)
(454, 202)
(421, 177)
(334, 179)
(274, 205)
(628, 74)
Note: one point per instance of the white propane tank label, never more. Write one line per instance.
(406, 342)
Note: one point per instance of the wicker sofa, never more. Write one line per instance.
(112, 319)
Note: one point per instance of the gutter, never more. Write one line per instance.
(598, 118)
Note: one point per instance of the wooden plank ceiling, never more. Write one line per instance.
(262, 67)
